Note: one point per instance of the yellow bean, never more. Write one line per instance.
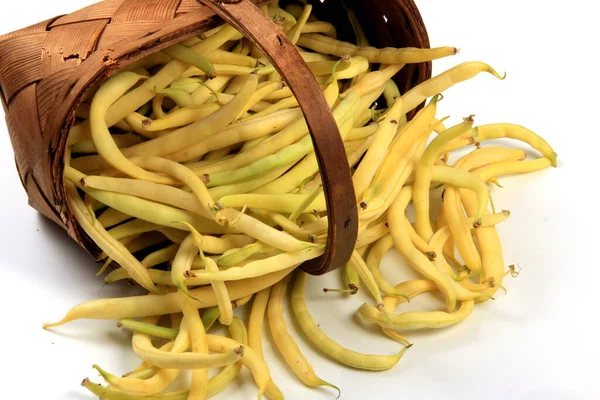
(491, 171)
(423, 175)
(187, 56)
(512, 131)
(155, 212)
(248, 186)
(259, 268)
(372, 234)
(418, 320)
(134, 227)
(219, 382)
(255, 322)
(444, 81)
(462, 179)
(160, 256)
(182, 263)
(326, 345)
(108, 93)
(420, 262)
(294, 33)
(143, 306)
(201, 95)
(286, 137)
(306, 167)
(88, 147)
(111, 217)
(143, 348)
(282, 203)
(199, 345)
(245, 130)
(322, 27)
(227, 57)
(376, 154)
(259, 369)
(461, 232)
(264, 233)
(171, 71)
(223, 299)
(327, 45)
(186, 176)
(379, 249)
(285, 343)
(161, 379)
(373, 80)
(111, 247)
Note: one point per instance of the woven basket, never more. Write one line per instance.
(45, 68)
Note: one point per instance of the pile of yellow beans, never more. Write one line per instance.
(194, 172)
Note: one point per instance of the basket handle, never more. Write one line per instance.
(329, 148)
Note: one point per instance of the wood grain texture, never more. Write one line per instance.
(46, 67)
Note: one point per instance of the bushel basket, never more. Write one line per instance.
(45, 69)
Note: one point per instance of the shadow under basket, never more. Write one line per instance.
(45, 68)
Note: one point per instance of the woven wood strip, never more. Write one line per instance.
(117, 31)
(103, 10)
(38, 201)
(36, 28)
(23, 110)
(188, 6)
(17, 143)
(21, 62)
(46, 93)
(144, 10)
(69, 45)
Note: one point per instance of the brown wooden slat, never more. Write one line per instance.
(21, 62)
(38, 201)
(69, 45)
(36, 28)
(188, 6)
(17, 142)
(23, 108)
(102, 10)
(118, 31)
(146, 10)
(46, 93)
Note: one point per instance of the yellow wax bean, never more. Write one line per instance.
(262, 267)
(286, 137)
(398, 230)
(512, 131)
(418, 320)
(155, 212)
(512, 167)
(440, 83)
(240, 132)
(423, 176)
(285, 342)
(326, 345)
(111, 247)
(327, 45)
(376, 154)
(143, 306)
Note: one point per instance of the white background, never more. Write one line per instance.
(537, 342)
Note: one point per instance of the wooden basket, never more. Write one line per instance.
(45, 68)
